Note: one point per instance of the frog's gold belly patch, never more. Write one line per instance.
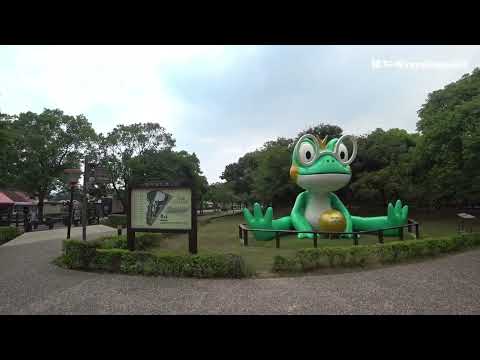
(332, 220)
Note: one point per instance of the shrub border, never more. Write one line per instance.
(306, 260)
(86, 255)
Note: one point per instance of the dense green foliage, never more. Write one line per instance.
(438, 166)
(40, 147)
(125, 142)
(364, 255)
(84, 255)
(138, 152)
(168, 165)
(221, 195)
(8, 233)
(382, 171)
(36, 148)
(78, 254)
(142, 241)
(449, 153)
(6, 140)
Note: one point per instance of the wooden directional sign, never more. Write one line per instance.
(101, 175)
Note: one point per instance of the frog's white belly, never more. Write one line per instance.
(316, 205)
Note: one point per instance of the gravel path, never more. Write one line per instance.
(30, 284)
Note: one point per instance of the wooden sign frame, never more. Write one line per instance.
(192, 233)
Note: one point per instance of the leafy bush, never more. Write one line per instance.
(142, 241)
(362, 255)
(108, 260)
(8, 233)
(284, 264)
(91, 256)
(78, 254)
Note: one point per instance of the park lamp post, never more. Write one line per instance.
(72, 178)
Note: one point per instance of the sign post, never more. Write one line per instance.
(158, 206)
(73, 176)
(86, 178)
(192, 235)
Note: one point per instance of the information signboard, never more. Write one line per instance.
(162, 207)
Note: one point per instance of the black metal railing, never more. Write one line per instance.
(243, 233)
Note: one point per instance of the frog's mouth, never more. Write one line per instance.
(323, 181)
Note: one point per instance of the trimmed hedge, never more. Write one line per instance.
(8, 233)
(78, 254)
(142, 241)
(84, 255)
(362, 255)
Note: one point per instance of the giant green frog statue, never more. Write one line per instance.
(320, 168)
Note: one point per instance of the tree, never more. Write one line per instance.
(322, 130)
(5, 132)
(126, 142)
(220, 193)
(272, 184)
(7, 136)
(45, 144)
(382, 170)
(168, 165)
(241, 175)
(448, 159)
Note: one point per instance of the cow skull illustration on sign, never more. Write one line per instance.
(157, 201)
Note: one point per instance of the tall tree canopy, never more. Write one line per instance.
(322, 130)
(7, 136)
(382, 169)
(448, 155)
(126, 142)
(43, 146)
(272, 183)
(168, 165)
(220, 193)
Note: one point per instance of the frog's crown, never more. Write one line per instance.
(323, 143)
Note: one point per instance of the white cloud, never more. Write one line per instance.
(125, 79)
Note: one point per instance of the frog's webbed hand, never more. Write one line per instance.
(258, 221)
(397, 215)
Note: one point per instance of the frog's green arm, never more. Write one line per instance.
(300, 223)
(369, 223)
(396, 216)
(336, 203)
(283, 223)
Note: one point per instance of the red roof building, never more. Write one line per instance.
(5, 200)
(11, 197)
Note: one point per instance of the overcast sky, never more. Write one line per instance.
(222, 101)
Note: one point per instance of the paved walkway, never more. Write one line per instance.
(30, 284)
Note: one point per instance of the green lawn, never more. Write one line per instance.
(221, 235)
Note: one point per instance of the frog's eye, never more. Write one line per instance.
(306, 153)
(343, 152)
